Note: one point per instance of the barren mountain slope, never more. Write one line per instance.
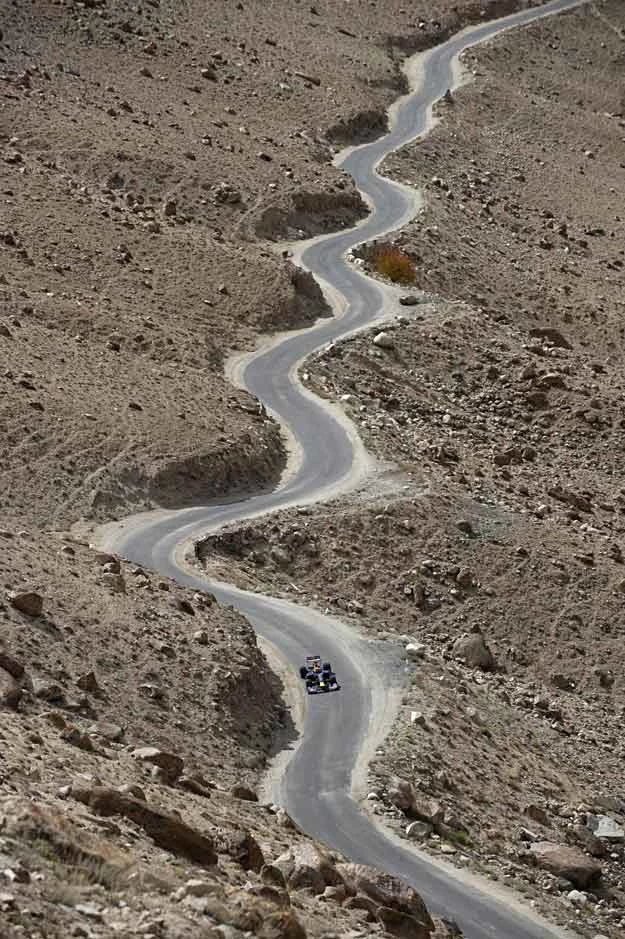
(142, 147)
(146, 153)
(136, 722)
(502, 411)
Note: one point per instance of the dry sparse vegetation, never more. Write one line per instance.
(390, 261)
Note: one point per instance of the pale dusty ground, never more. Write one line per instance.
(141, 149)
(494, 423)
(134, 189)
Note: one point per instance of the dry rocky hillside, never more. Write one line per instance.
(498, 561)
(152, 155)
(148, 152)
(136, 722)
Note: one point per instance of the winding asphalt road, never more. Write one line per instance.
(329, 458)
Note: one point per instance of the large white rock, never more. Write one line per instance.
(603, 826)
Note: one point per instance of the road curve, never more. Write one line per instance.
(329, 458)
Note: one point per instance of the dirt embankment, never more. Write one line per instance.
(503, 560)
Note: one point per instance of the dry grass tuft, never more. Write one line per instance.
(392, 262)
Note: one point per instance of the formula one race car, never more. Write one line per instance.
(318, 676)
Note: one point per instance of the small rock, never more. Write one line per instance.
(114, 582)
(244, 793)
(603, 826)
(473, 650)
(89, 683)
(10, 691)
(48, 691)
(170, 765)
(419, 830)
(28, 602)
(384, 341)
(568, 862)
(577, 897)
(107, 730)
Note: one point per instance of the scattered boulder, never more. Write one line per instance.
(398, 907)
(605, 827)
(106, 730)
(415, 650)
(308, 867)
(166, 830)
(244, 792)
(28, 602)
(473, 650)
(384, 341)
(169, 764)
(48, 691)
(402, 796)
(89, 683)
(11, 665)
(10, 690)
(243, 848)
(566, 861)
